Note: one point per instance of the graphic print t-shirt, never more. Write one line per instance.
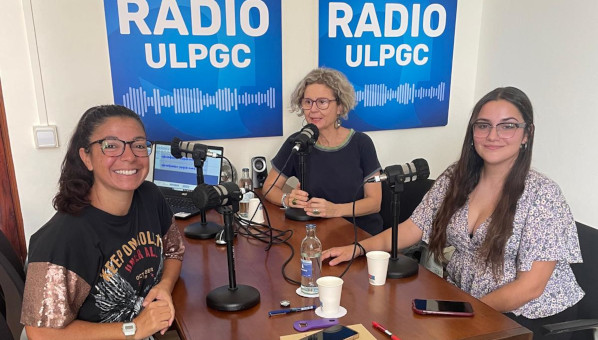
(96, 266)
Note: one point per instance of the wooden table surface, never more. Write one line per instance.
(205, 268)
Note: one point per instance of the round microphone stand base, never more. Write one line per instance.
(202, 230)
(229, 300)
(296, 214)
(401, 266)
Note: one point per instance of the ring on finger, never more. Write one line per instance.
(294, 201)
(316, 212)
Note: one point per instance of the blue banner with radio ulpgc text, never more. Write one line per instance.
(397, 54)
(198, 69)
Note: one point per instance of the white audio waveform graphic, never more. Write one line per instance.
(380, 94)
(186, 100)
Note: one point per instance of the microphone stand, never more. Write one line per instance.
(201, 230)
(232, 297)
(399, 265)
(298, 214)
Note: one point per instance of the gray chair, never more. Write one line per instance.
(586, 325)
(12, 283)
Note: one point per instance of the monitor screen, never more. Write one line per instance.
(180, 173)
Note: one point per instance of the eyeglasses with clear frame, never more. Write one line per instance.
(114, 147)
(321, 103)
(503, 130)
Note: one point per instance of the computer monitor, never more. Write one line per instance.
(180, 173)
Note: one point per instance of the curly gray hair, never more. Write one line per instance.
(335, 80)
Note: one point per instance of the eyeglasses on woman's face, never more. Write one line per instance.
(321, 103)
(503, 130)
(114, 147)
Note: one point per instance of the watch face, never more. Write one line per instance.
(129, 328)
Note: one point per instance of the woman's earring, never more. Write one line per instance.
(472, 143)
(523, 146)
(338, 122)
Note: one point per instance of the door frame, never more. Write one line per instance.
(11, 217)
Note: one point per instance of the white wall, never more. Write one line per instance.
(548, 49)
(73, 56)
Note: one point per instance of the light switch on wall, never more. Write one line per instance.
(45, 136)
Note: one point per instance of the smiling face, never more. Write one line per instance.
(115, 175)
(493, 149)
(323, 119)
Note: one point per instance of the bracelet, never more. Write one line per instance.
(284, 205)
(362, 249)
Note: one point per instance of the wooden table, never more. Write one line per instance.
(205, 268)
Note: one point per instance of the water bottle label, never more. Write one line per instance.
(247, 196)
(306, 268)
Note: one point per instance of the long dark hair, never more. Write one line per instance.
(75, 179)
(466, 175)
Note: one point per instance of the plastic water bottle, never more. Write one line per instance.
(245, 183)
(311, 261)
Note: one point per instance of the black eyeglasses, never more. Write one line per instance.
(114, 147)
(321, 103)
(503, 130)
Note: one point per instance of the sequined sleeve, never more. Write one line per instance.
(53, 295)
(173, 243)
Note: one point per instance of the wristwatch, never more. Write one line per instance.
(129, 330)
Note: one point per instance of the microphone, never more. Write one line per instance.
(206, 196)
(179, 149)
(409, 172)
(306, 137)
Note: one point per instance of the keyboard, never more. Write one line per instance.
(178, 204)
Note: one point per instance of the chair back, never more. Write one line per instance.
(412, 195)
(12, 284)
(585, 326)
(586, 273)
(11, 255)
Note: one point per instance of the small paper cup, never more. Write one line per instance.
(330, 288)
(377, 267)
(256, 216)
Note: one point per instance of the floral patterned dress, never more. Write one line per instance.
(543, 230)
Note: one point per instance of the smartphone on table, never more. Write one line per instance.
(336, 332)
(442, 307)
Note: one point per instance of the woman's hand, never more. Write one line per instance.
(159, 293)
(153, 318)
(339, 254)
(297, 198)
(320, 207)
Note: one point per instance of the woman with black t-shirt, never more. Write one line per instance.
(339, 162)
(105, 264)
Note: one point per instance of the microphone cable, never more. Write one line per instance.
(250, 229)
(266, 194)
(354, 230)
(232, 171)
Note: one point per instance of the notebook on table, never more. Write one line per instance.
(177, 177)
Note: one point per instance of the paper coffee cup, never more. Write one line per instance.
(377, 267)
(256, 210)
(329, 289)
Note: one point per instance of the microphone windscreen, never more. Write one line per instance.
(315, 130)
(204, 196)
(423, 169)
(175, 149)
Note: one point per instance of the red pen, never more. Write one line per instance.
(384, 330)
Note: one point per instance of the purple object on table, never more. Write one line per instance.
(306, 325)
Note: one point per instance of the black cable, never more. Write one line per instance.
(248, 228)
(354, 230)
(232, 171)
(265, 233)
